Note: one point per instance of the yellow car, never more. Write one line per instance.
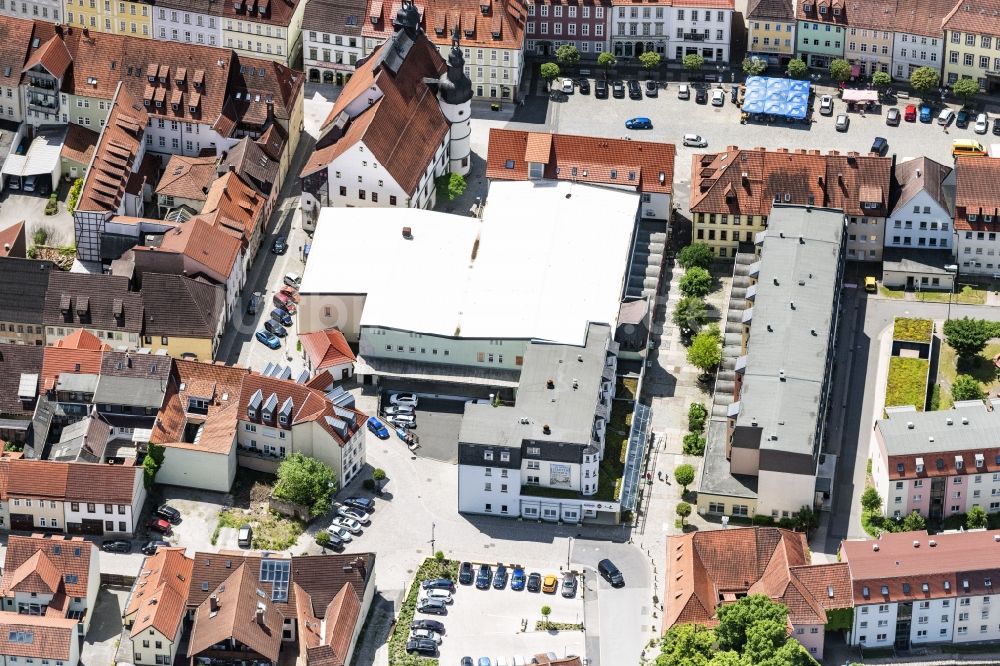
(870, 285)
(549, 584)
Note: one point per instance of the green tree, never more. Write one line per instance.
(696, 282)
(790, 654)
(965, 88)
(736, 619)
(797, 69)
(306, 481)
(546, 611)
(753, 66)
(684, 476)
(697, 413)
(914, 522)
(683, 510)
(967, 336)
(695, 255)
(705, 351)
(976, 518)
(378, 476)
(606, 60)
(967, 387)
(763, 638)
(840, 69)
(549, 71)
(727, 658)
(806, 519)
(568, 55)
(693, 62)
(74, 195)
(924, 79)
(690, 314)
(151, 464)
(686, 645)
(649, 60)
(450, 185)
(871, 501)
(694, 444)
(881, 80)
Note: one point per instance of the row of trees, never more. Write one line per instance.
(568, 56)
(691, 312)
(875, 523)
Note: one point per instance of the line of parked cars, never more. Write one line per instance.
(284, 301)
(400, 409)
(485, 577)
(163, 520)
(353, 514)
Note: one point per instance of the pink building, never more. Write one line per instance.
(552, 23)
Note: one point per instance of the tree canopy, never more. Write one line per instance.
(649, 60)
(695, 254)
(306, 481)
(693, 62)
(549, 71)
(737, 621)
(924, 79)
(871, 501)
(967, 387)
(684, 475)
(705, 351)
(696, 282)
(567, 54)
(976, 518)
(965, 88)
(605, 59)
(968, 336)
(840, 69)
(753, 66)
(690, 313)
(881, 80)
(797, 69)
(914, 522)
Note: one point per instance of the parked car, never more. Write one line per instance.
(409, 399)
(910, 113)
(425, 634)
(843, 123)
(880, 146)
(354, 514)
(292, 279)
(362, 503)
(996, 126)
(438, 584)
(634, 91)
(268, 338)
(376, 427)
(443, 595)
(275, 327)
(583, 86)
(926, 113)
(569, 585)
(393, 410)
(282, 316)
(611, 573)
(982, 123)
(870, 285)
(639, 123)
(116, 546)
(403, 420)
(349, 524)
(291, 292)
(652, 89)
(159, 525)
(696, 140)
(549, 584)
(618, 89)
(601, 89)
(422, 646)
(253, 304)
(29, 184)
(517, 579)
(484, 577)
(892, 117)
(567, 86)
(169, 512)
(244, 537)
(432, 607)
(500, 577)
(150, 547)
(962, 119)
(946, 116)
(433, 625)
(338, 533)
(718, 97)
(701, 96)
(465, 574)
(284, 302)
(280, 245)
(485, 661)
(534, 582)
(467, 661)
(826, 105)
(683, 91)
(333, 540)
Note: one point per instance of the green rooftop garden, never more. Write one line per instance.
(907, 382)
(912, 330)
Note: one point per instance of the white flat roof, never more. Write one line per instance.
(551, 257)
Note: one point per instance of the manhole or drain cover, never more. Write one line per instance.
(677, 369)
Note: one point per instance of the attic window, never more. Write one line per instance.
(972, 217)
(193, 109)
(865, 592)
(151, 79)
(6, 71)
(926, 588)
(947, 585)
(496, 34)
(906, 588)
(614, 174)
(468, 32)
(900, 468)
(807, 7)
(822, 10)
(631, 175)
(439, 31)
(836, 11)
(509, 164)
(35, 42)
(885, 590)
(175, 106)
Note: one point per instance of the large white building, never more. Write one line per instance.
(674, 29)
(188, 22)
(921, 213)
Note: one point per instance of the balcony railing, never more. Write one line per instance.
(45, 84)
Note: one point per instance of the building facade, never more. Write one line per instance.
(271, 30)
(972, 44)
(977, 215)
(23, 285)
(919, 39)
(921, 216)
(703, 27)
(188, 22)
(820, 32)
(116, 17)
(581, 24)
(331, 32)
(771, 31)
(869, 42)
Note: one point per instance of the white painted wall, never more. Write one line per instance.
(874, 625)
(473, 496)
(919, 223)
(777, 491)
(911, 51)
(198, 469)
(717, 22)
(176, 25)
(935, 618)
(976, 252)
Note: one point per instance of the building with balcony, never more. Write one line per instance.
(331, 33)
(765, 460)
(977, 215)
(581, 24)
(771, 31)
(821, 31)
(971, 36)
(43, 75)
(700, 26)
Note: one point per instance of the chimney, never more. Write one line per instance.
(232, 168)
(359, 564)
(86, 32)
(213, 603)
(407, 233)
(260, 616)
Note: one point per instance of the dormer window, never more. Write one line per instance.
(807, 7)
(505, 456)
(973, 217)
(496, 34)
(439, 31)
(159, 104)
(987, 218)
(152, 79)
(836, 11)
(251, 413)
(267, 415)
(614, 174)
(175, 106)
(822, 9)
(193, 109)
(487, 455)
(468, 32)
(283, 420)
(484, 8)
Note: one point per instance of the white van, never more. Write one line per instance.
(293, 279)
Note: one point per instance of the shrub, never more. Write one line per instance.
(451, 185)
(694, 444)
(967, 387)
(41, 235)
(52, 206)
(368, 484)
(323, 538)
(695, 254)
(684, 475)
(763, 520)
(696, 282)
(683, 510)
(697, 413)
(74, 195)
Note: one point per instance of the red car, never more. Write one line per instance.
(290, 292)
(282, 300)
(910, 115)
(159, 525)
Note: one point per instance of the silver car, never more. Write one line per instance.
(843, 122)
(696, 140)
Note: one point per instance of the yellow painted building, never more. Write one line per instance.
(771, 31)
(972, 45)
(118, 17)
(177, 346)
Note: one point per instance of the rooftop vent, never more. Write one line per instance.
(407, 233)
(909, 425)
(550, 384)
(932, 543)
(875, 547)
(949, 420)
(546, 429)
(916, 544)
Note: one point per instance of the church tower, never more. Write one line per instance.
(455, 98)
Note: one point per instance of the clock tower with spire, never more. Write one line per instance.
(455, 98)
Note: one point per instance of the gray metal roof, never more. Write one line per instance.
(130, 391)
(79, 383)
(972, 427)
(797, 285)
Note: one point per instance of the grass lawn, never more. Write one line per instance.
(271, 531)
(890, 293)
(912, 330)
(982, 369)
(968, 295)
(907, 382)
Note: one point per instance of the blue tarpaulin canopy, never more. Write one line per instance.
(778, 97)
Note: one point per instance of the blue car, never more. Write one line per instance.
(269, 339)
(518, 579)
(281, 316)
(925, 113)
(377, 428)
(638, 123)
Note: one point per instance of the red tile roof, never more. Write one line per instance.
(976, 193)
(205, 244)
(326, 348)
(59, 360)
(827, 16)
(208, 381)
(234, 206)
(187, 177)
(501, 27)
(73, 482)
(53, 56)
(645, 165)
(977, 16)
(51, 637)
(305, 404)
(160, 593)
(41, 563)
(922, 17)
(329, 647)
(81, 338)
(12, 238)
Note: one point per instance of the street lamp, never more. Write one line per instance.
(953, 269)
(569, 547)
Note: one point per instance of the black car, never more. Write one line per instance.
(430, 625)
(534, 582)
(432, 607)
(362, 503)
(652, 89)
(996, 126)
(500, 577)
(116, 546)
(611, 573)
(634, 91)
(484, 577)
(962, 119)
(465, 575)
(583, 86)
(280, 245)
(601, 89)
(170, 513)
(735, 94)
(438, 584)
(150, 547)
(880, 146)
(281, 316)
(422, 646)
(618, 90)
(701, 96)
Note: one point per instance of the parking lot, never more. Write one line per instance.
(438, 423)
(490, 623)
(720, 126)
